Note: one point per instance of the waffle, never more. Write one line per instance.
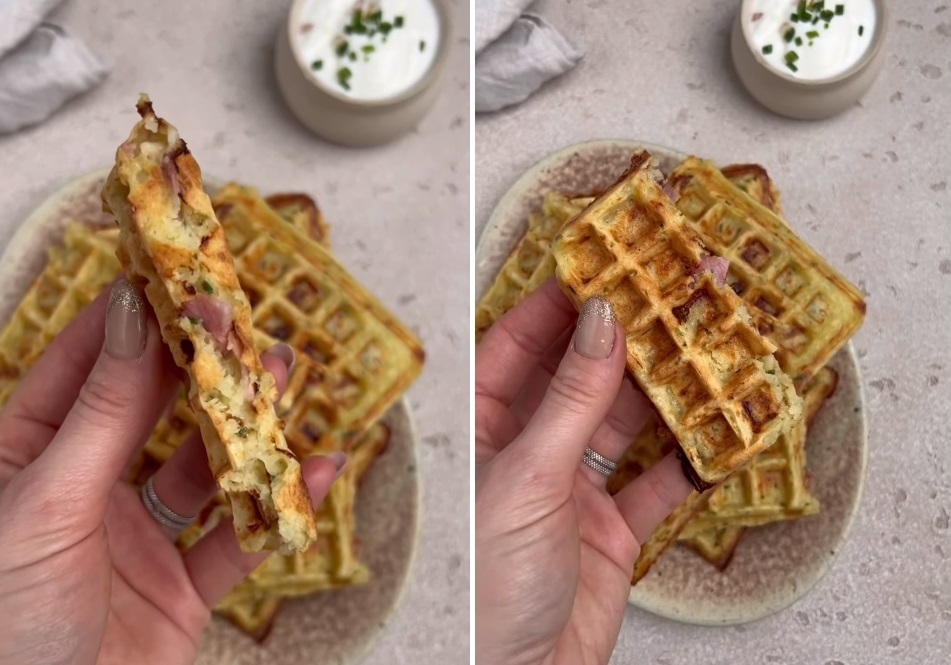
(254, 617)
(356, 359)
(796, 298)
(75, 274)
(755, 181)
(691, 346)
(530, 258)
(302, 212)
(716, 545)
(772, 486)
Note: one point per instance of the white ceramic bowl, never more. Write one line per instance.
(353, 122)
(806, 99)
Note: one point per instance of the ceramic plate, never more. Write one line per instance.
(774, 565)
(332, 627)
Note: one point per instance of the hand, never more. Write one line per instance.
(86, 574)
(554, 552)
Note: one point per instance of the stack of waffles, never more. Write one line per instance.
(354, 361)
(787, 313)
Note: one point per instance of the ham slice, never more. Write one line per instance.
(215, 317)
(716, 265)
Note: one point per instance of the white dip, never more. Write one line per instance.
(368, 51)
(811, 40)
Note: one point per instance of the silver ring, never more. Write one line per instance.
(159, 511)
(599, 462)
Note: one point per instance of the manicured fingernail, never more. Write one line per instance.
(284, 353)
(339, 460)
(594, 336)
(126, 328)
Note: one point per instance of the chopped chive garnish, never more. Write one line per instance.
(815, 19)
(861, 30)
(385, 27)
(801, 7)
(812, 34)
(317, 65)
(348, 30)
(194, 319)
(422, 45)
(343, 77)
(792, 56)
(767, 49)
(206, 287)
(352, 56)
(819, 6)
(827, 14)
(368, 48)
(398, 22)
(798, 41)
(788, 35)
(242, 432)
(827, 26)
(839, 10)
(794, 18)
(376, 16)
(792, 66)
(342, 48)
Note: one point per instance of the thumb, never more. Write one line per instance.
(117, 408)
(578, 398)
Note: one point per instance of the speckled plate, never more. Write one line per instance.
(774, 565)
(336, 627)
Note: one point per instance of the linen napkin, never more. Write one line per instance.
(517, 51)
(41, 66)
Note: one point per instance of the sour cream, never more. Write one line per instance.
(368, 51)
(810, 40)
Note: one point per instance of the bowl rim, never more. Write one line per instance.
(878, 39)
(428, 79)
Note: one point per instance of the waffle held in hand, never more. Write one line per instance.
(691, 345)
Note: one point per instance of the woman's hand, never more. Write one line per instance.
(554, 552)
(86, 574)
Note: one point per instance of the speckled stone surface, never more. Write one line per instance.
(870, 189)
(399, 218)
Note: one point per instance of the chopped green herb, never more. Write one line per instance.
(788, 35)
(794, 18)
(798, 41)
(815, 19)
(242, 433)
(317, 65)
(801, 7)
(422, 45)
(812, 34)
(839, 10)
(342, 48)
(368, 48)
(819, 6)
(861, 30)
(792, 56)
(398, 22)
(348, 29)
(827, 26)
(206, 287)
(352, 56)
(376, 16)
(826, 14)
(343, 77)
(386, 27)
(194, 319)
(767, 49)
(792, 67)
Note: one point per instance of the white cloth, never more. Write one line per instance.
(41, 67)
(516, 53)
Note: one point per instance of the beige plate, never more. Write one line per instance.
(332, 627)
(774, 565)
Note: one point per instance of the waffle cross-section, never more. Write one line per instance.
(690, 343)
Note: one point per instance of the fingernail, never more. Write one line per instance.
(285, 353)
(339, 460)
(594, 336)
(126, 329)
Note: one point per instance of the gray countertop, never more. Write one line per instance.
(870, 189)
(399, 222)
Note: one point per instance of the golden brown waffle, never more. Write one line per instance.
(716, 545)
(755, 181)
(797, 299)
(361, 358)
(302, 212)
(515, 279)
(690, 343)
(74, 275)
(254, 616)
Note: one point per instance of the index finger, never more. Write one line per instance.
(518, 341)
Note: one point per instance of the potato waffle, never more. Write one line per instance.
(362, 358)
(529, 264)
(797, 299)
(690, 342)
